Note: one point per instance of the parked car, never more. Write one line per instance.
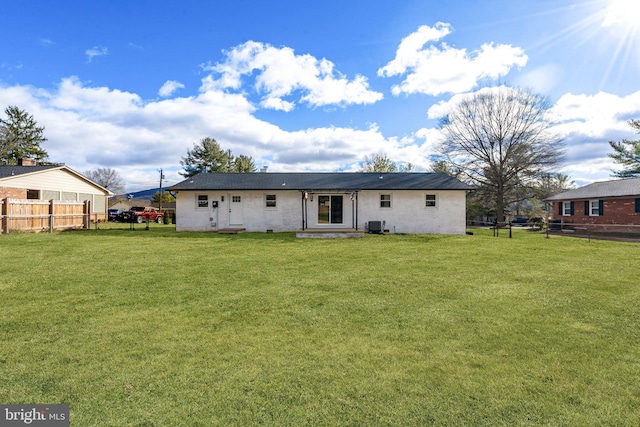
(141, 214)
(519, 221)
(112, 214)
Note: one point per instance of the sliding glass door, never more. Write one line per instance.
(330, 209)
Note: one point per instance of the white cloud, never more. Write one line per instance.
(95, 52)
(434, 70)
(406, 55)
(169, 88)
(595, 116)
(275, 103)
(89, 127)
(282, 74)
(588, 123)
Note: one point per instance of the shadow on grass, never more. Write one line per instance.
(169, 231)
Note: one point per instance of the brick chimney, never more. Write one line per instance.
(27, 162)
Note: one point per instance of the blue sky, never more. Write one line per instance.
(309, 86)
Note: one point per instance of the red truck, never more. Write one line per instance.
(141, 214)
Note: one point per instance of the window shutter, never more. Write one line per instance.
(586, 208)
(600, 207)
(572, 208)
(638, 205)
(560, 212)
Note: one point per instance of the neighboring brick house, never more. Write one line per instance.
(607, 202)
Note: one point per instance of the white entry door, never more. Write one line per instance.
(235, 210)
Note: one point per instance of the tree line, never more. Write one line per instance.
(498, 139)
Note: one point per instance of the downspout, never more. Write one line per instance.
(302, 206)
(356, 209)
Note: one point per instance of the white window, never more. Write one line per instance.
(385, 200)
(567, 208)
(202, 201)
(594, 207)
(270, 200)
(430, 201)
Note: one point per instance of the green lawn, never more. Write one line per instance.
(158, 328)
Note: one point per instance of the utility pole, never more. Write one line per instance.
(160, 191)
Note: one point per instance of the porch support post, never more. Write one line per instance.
(356, 209)
(306, 210)
(302, 207)
(353, 209)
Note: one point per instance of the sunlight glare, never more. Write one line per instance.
(622, 12)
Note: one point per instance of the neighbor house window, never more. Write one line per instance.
(270, 200)
(567, 208)
(594, 207)
(33, 194)
(203, 201)
(385, 200)
(430, 201)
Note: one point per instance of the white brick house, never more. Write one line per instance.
(417, 203)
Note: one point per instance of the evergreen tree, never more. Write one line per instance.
(243, 163)
(208, 156)
(20, 137)
(627, 154)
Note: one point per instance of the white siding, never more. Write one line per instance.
(286, 216)
(408, 212)
(54, 180)
(60, 184)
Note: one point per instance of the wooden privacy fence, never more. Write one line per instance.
(43, 215)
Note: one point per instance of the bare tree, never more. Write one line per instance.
(551, 184)
(107, 178)
(499, 139)
(382, 163)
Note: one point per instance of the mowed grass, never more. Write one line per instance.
(158, 328)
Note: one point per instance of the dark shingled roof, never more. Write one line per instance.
(320, 181)
(7, 171)
(598, 190)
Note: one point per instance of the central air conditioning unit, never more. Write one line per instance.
(375, 227)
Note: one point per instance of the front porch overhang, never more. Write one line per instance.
(306, 195)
